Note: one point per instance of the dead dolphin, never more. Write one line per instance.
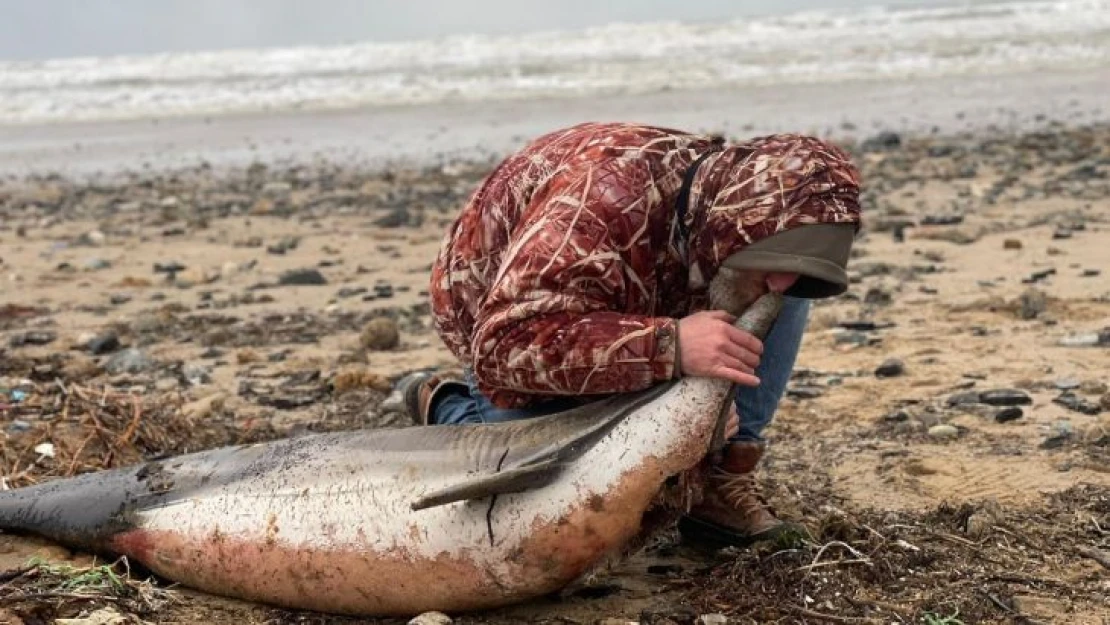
(395, 521)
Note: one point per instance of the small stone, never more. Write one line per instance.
(851, 338)
(284, 245)
(131, 360)
(103, 344)
(877, 297)
(1067, 384)
(1086, 339)
(165, 385)
(805, 392)
(1093, 387)
(1059, 436)
(302, 277)
(393, 219)
(1006, 415)
(1073, 402)
(1033, 302)
(1037, 276)
(383, 290)
(19, 425)
(1061, 233)
(431, 618)
(1090, 273)
(96, 264)
(897, 416)
(712, 619)
(1011, 244)
(963, 399)
(942, 220)
(891, 367)
(211, 352)
(1104, 401)
(277, 189)
(944, 431)
(35, 337)
(885, 140)
(979, 524)
(346, 292)
(170, 268)
(1005, 397)
(196, 374)
(119, 299)
(380, 333)
(94, 237)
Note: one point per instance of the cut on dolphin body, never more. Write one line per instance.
(395, 521)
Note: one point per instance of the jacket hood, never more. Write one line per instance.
(748, 193)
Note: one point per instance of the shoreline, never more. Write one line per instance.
(474, 131)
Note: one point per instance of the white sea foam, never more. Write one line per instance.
(804, 47)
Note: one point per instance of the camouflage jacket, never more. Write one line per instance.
(566, 271)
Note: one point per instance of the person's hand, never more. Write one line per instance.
(710, 346)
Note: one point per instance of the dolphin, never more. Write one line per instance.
(395, 522)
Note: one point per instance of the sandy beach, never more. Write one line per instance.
(945, 438)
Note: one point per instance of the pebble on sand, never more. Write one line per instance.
(380, 334)
(131, 360)
(302, 277)
(890, 368)
(944, 431)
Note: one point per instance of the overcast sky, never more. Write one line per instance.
(38, 29)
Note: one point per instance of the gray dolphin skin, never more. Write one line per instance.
(394, 522)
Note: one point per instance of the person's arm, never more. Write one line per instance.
(550, 323)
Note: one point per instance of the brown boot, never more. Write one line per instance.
(414, 393)
(733, 511)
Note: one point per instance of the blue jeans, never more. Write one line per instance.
(756, 406)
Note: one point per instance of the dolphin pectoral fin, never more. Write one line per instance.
(545, 464)
(511, 481)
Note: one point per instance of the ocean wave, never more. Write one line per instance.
(806, 47)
